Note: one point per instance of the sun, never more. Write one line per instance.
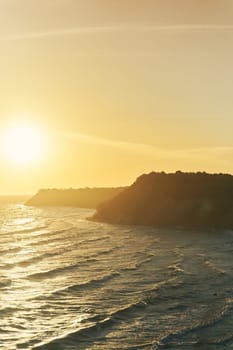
(23, 143)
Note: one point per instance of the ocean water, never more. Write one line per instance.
(68, 283)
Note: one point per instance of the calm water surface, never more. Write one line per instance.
(67, 283)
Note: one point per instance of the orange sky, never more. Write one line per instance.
(118, 87)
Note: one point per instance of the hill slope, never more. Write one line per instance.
(179, 199)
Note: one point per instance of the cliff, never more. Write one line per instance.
(179, 199)
(83, 197)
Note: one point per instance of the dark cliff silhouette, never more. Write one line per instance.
(179, 199)
(83, 197)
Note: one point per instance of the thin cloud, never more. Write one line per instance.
(109, 29)
(147, 149)
(59, 32)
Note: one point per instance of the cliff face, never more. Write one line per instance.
(83, 198)
(180, 199)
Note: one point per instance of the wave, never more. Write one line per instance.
(137, 265)
(92, 258)
(5, 282)
(50, 240)
(218, 315)
(30, 261)
(68, 248)
(50, 232)
(97, 239)
(26, 262)
(52, 273)
(6, 311)
(92, 331)
(68, 268)
(213, 267)
(55, 236)
(10, 250)
(93, 283)
(99, 325)
(176, 267)
(26, 230)
(89, 284)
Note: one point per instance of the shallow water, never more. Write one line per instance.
(68, 283)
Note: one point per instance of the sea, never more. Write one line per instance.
(69, 283)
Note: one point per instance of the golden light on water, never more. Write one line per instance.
(23, 143)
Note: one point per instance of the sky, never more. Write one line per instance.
(119, 88)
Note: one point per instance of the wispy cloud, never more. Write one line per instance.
(59, 32)
(118, 28)
(147, 149)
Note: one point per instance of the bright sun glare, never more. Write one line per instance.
(23, 143)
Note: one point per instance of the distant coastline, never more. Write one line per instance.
(189, 200)
(195, 200)
(82, 197)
